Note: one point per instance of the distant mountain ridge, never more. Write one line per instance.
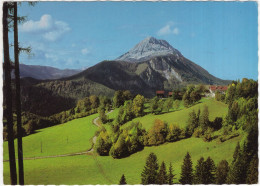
(148, 48)
(45, 72)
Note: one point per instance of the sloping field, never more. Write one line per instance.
(70, 137)
(87, 169)
(180, 117)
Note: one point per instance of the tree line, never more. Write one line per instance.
(204, 172)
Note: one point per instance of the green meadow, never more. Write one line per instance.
(73, 136)
(88, 169)
(180, 117)
(76, 136)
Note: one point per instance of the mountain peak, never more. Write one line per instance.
(148, 48)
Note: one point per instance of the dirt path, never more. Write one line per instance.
(88, 152)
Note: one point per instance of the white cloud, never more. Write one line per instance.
(49, 28)
(168, 29)
(84, 51)
(175, 31)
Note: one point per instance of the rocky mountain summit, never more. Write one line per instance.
(148, 48)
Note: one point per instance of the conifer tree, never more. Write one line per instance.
(222, 172)
(8, 94)
(186, 170)
(192, 123)
(252, 173)
(204, 119)
(150, 171)
(236, 152)
(200, 171)
(238, 170)
(210, 171)
(171, 175)
(162, 175)
(122, 180)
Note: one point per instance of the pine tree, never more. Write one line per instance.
(210, 170)
(204, 119)
(252, 173)
(192, 123)
(186, 170)
(171, 175)
(236, 152)
(222, 172)
(122, 180)
(8, 95)
(199, 171)
(18, 98)
(162, 175)
(150, 171)
(238, 170)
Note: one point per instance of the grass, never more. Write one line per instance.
(180, 117)
(86, 169)
(70, 137)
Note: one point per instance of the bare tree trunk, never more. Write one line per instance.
(18, 99)
(8, 97)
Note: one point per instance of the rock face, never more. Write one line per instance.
(147, 49)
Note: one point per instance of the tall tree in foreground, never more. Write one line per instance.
(8, 96)
(171, 175)
(252, 175)
(150, 172)
(162, 175)
(210, 171)
(186, 170)
(122, 180)
(222, 172)
(18, 98)
(199, 174)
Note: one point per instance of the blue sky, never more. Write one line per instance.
(219, 36)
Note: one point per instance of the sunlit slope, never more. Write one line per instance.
(180, 117)
(70, 137)
(86, 169)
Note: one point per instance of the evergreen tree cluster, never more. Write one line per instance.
(205, 171)
(155, 174)
(199, 125)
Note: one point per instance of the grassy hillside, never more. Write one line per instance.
(73, 136)
(180, 117)
(87, 169)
